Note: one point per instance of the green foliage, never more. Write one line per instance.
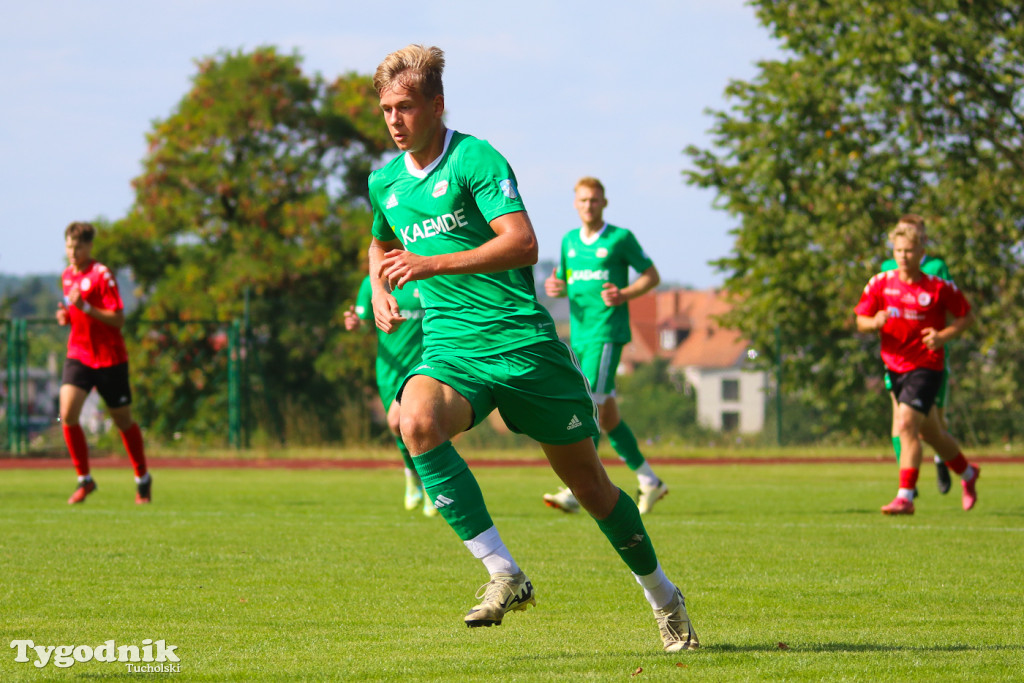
(878, 109)
(658, 405)
(252, 203)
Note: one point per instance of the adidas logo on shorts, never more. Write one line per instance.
(574, 423)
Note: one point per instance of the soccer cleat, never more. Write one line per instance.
(564, 500)
(144, 491)
(970, 493)
(677, 632)
(428, 506)
(413, 493)
(503, 593)
(647, 496)
(899, 506)
(84, 489)
(942, 478)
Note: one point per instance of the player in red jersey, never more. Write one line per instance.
(96, 358)
(910, 309)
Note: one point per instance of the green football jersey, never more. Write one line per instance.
(930, 265)
(586, 266)
(447, 208)
(401, 350)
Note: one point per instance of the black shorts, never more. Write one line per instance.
(918, 388)
(111, 382)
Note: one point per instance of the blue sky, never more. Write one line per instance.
(562, 89)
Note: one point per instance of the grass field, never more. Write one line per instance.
(790, 573)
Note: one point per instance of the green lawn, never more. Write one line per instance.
(321, 575)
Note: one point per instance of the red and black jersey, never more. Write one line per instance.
(912, 307)
(92, 342)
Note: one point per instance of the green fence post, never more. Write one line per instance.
(778, 385)
(234, 407)
(10, 384)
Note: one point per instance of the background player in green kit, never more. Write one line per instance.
(397, 354)
(930, 265)
(448, 216)
(594, 271)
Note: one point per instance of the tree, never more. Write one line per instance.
(253, 190)
(878, 109)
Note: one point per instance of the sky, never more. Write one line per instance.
(562, 89)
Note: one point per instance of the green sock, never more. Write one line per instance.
(624, 443)
(625, 531)
(451, 485)
(406, 455)
(897, 448)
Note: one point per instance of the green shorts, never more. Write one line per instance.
(538, 390)
(940, 398)
(389, 381)
(599, 362)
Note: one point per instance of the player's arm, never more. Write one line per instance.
(386, 313)
(935, 339)
(648, 280)
(513, 246)
(114, 318)
(872, 323)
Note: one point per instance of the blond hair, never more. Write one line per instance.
(909, 231)
(414, 67)
(588, 181)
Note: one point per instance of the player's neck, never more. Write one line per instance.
(78, 270)
(592, 228)
(910, 276)
(432, 150)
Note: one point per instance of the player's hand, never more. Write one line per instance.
(880, 318)
(62, 314)
(400, 266)
(554, 286)
(352, 320)
(931, 338)
(75, 298)
(386, 313)
(612, 295)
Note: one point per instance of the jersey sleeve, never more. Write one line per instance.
(870, 301)
(634, 254)
(106, 296)
(560, 271)
(380, 228)
(490, 180)
(954, 300)
(364, 304)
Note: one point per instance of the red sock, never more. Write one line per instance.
(908, 478)
(957, 464)
(132, 438)
(78, 448)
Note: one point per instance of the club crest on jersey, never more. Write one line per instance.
(508, 188)
(440, 188)
(85, 285)
(392, 202)
(602, 253)
(924, 299)
(572, 253)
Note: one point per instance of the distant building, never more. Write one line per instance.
(679, 325)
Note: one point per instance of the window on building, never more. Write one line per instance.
(730, 422)
(730, 390)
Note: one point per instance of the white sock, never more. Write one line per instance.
(412, 477)
(490, 549)
(969, 473)
(658, 590)
(646, 476)
(84, 477)
(143, 479)
(906, 494)
(938, 460)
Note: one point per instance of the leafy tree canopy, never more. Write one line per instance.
(877, 109)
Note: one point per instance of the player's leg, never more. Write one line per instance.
(432, 412)
(942, 478)
(933, 431)
(650, 487)
(908, 422)
(71, 399)
(413, 486)
(113, 386)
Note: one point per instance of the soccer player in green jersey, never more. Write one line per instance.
(930, 265)
(594, 272)
(448, 217)
(397, 354)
